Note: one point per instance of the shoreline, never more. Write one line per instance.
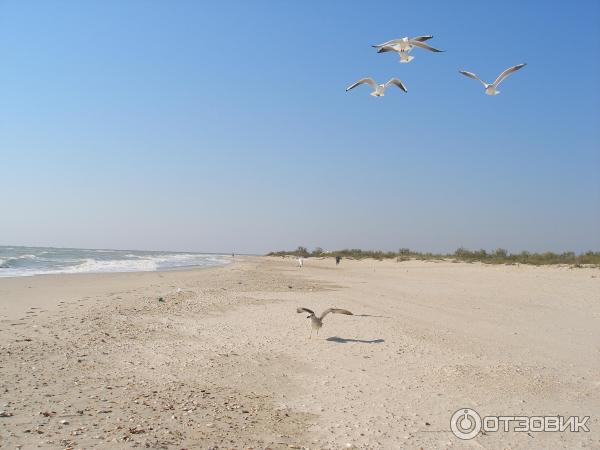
(227, 362)
(34, 261)
(17, 294)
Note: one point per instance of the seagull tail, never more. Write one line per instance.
(405, 58)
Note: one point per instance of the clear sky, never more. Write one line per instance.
(220, 126)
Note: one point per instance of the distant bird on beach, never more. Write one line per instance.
(317, 322)
(491, 89)
(404, 45)
(378, 89)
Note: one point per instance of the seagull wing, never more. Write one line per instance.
(397, 82)
(472, 75)
(388, 43)
(299, 310)
(421, 38)
(387, 48)
(507, 72)
(335, 311)
(425, 46)
(369, 81)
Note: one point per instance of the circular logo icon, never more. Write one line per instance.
(465, 423)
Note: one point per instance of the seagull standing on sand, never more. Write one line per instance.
(378, 89)
(317, 322)
(491, 89)
(404, 45)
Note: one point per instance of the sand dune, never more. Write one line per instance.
(97, 361)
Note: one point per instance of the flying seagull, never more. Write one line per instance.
(317, 322)
(490, 89)
(404, 45)
(378, 89)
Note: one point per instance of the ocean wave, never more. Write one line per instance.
(96, 261)
(126, 265)
(17, 261)
(26, 257)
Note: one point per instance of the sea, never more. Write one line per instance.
(28, 261)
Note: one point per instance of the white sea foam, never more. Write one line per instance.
(26, 257)
(92, 265)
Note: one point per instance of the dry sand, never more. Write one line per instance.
(97, 361)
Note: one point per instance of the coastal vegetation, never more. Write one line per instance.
(498, 256)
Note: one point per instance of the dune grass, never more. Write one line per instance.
(499, 256)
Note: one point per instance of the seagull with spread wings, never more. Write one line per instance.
(378, 89)
(491, 88)
(317, 322)
(404, 45)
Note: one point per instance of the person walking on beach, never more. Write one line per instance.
(300, 262)
(337, 260)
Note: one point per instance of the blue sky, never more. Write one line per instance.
(220, 126)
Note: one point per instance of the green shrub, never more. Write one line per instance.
(498, 256)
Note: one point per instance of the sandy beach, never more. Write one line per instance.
(224, 360)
